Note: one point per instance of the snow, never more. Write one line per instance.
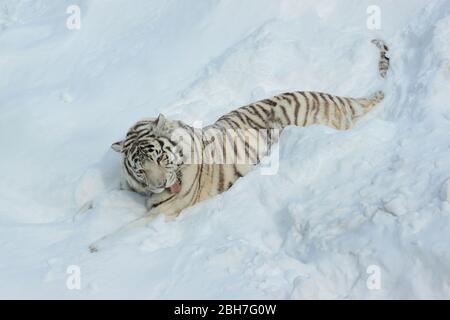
(340, 203)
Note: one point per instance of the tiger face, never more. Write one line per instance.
(151, 161)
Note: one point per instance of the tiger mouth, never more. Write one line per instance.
(176, 187)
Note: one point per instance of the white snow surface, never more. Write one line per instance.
(340, 203)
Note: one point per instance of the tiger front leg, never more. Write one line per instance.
(117, 235)
(163, 203)
(156, 199)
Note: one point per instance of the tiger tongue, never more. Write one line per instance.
(176, 187)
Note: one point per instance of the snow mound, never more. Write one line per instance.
(343, 207)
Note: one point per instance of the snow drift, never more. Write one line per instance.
(341, 204)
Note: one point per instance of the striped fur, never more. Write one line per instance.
(153, 161)
(383, 64)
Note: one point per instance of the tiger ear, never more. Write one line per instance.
(117, 146)
(159, 123)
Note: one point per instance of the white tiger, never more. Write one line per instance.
(173, 172)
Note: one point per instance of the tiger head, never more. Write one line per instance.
(151, 160)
